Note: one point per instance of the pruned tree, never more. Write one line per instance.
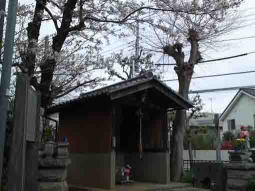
(180, 36)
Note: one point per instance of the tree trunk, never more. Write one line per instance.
(190, 151)
(49, 65)
(188, 132)
(33, 32)
(45, 83)
(183, 71)
(177, 147)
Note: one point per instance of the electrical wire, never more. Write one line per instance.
(235, 39)
(219, 89)
(217, 59)
(216, 75)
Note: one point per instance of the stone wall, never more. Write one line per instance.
(238, 175)
(53, 163)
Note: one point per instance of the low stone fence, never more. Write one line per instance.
(238, 175)
(53, 163)
(223, 176)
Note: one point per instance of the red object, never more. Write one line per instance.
(242, 128)
(244, 134)
(227, 145)
(127, 171)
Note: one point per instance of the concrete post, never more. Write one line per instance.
(6, 74)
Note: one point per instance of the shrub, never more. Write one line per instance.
(251, 184)
(187, 177)
(228, 136)
(201, 138)
(203, 142)
(252, 141)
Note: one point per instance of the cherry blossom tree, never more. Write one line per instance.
(79, 27)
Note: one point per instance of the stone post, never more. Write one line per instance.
(53, 163)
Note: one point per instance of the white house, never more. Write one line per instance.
(206, 119)
(240, 111)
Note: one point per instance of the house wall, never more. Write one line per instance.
(206, 155)
(87, 131)
(242, 112)
(89, 134)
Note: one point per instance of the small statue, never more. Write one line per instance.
(245, 134)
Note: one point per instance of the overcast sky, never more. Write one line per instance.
(217, 101)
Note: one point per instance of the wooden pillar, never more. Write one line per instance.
(165, 131)
(114, 126)
(113, 145)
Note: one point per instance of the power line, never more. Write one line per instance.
(225, 58)
(216, 75)
(235, 39)
(219, 89)
(217, 59)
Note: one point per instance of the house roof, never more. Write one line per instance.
(147, 79)
(249, 91)
(243, 91)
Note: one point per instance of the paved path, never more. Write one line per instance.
(137, 186)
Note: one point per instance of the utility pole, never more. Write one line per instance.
(135, 67)
(211, 99)
(6, 74)
(2, 15)
(217, 128)
(137, 45)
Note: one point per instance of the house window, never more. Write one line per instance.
(231, 124)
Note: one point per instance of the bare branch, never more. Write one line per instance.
(121, 21)
(74, 88)
(55, 4)
(52, 17)
(114, 73)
